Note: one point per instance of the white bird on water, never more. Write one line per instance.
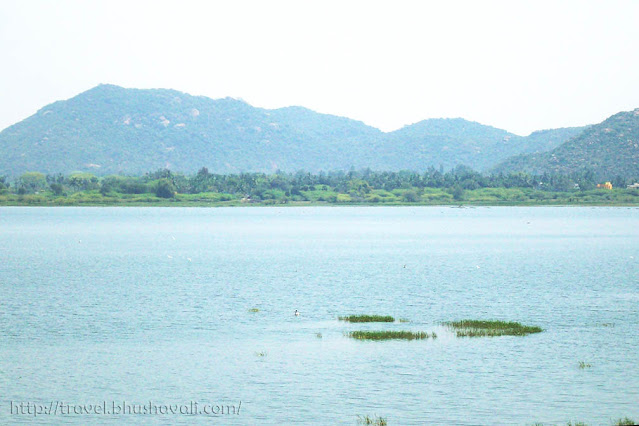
(297, 313)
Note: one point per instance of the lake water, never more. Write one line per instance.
(139, 305)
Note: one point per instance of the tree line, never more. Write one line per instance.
(165, 183)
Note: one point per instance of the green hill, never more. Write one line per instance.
(451, 142)
(608, 149)
(109, 129)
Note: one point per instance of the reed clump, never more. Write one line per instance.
(373, 421)
(388, 335)
(367, 318)
(490, 328)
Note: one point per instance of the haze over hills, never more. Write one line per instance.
(110, 129)
(452, 142)
(608, 149)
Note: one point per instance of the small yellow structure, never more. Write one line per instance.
(606, 185)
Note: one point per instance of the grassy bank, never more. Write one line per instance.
(480, 197)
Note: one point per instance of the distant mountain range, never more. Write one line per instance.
(113, 130)
(608, 149)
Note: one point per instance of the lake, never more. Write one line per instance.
(116, 306)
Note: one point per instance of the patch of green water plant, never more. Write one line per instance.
(367, 318)
(490, 328)
(626, 421)
(388, 335)
(372, 421)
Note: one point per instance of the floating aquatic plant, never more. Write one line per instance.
(367, 318)
(626, 421)
(388, 335)
(490, 328)
(373, 421)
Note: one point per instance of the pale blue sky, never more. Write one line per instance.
(517, 65)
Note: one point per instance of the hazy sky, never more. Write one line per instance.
(517, 65)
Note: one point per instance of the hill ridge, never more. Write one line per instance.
(110, 129)
(607, 149)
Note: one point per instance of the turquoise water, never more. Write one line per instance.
(152, 304)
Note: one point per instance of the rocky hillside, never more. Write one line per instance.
(608, 149)
(109, 129)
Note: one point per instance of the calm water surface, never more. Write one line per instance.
(152, 304)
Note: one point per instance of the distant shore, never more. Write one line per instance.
(458, 187)
(160, 202)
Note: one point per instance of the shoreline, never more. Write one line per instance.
(203, 204)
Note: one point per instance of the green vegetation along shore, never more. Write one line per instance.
(460, 186)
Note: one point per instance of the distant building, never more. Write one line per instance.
(606, 185)
(633, 186)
